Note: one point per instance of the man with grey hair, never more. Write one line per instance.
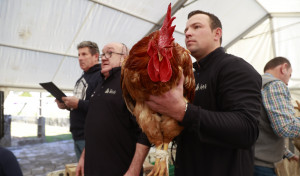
(115, 145)
(88, 57)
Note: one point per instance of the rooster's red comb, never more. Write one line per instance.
(166, 31)
(160, 51)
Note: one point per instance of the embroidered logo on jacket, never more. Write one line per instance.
(200, 87)
(110, 91)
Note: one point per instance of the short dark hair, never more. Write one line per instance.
(275, 62)
(214, 20)
(93, 47)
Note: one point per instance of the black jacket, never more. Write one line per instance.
(85, 86)
(111, 130)
(221, 126)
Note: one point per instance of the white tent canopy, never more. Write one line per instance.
(38, 39)
(277, 35)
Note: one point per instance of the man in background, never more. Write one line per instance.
(278, 119)
(115, 145)
(88, 57)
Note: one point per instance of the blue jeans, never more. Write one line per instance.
(79, 146)
(264, 171)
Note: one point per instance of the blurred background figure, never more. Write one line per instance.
(9, 165)
(88, 57)
(278, 119)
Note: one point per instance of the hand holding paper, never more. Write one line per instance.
(54, 90)
(60, 104)
(71, 102)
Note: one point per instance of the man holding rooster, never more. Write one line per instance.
(221, 125)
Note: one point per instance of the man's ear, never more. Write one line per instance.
(97, 56)
(218, 33)
(284, 68)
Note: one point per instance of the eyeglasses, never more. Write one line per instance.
(108, 54)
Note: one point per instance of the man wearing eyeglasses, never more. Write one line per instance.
(115, 145)
(88, 57)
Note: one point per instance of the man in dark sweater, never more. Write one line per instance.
(115, 145)
(221, 125)
(88, 57)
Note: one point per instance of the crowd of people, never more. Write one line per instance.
(235, 126)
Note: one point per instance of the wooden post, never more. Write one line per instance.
(5, 141)
(41, 128)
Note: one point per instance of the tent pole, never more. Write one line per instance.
(285, 14)
(37, 50)
(272, 36)
(178, 5)
(7, 88)
(247, 31)
(122, 11)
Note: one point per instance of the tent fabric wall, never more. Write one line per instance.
(287, 40)
(22, 69)
(234, 15)
(256, 47)
(277, 36)
(38, 39)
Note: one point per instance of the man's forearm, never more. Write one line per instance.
(141, 152)
(80, 165)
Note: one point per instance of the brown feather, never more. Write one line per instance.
(137, 86)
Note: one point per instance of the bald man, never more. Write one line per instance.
(115, 145)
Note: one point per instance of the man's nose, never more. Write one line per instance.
(80, 57)
(104, 58)
(187, 33)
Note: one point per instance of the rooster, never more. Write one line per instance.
(154, 66)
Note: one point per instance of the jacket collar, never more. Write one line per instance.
(203, 63)
(94, 68)
(112, 72)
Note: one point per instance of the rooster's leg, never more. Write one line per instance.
(164, 163)
(156, 167)
(161, 163)
(150, 123)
